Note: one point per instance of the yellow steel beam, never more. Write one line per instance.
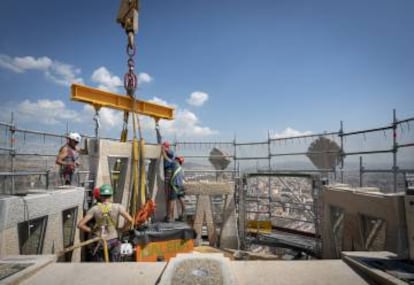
(100, 98)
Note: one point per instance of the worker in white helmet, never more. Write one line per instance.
(68, 158)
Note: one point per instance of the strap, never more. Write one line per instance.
(105, 208)
(174, 185)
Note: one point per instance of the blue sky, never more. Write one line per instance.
(230, 68)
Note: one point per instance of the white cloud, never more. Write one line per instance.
(144, 77)
(106, 80)
(63, 74)
(21, 64)
(108, 118)
(289, 132)
(45, 111)
(185, 124)
(197, 98)
(160, 101)
(60, 73)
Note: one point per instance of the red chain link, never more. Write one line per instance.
(130, 78)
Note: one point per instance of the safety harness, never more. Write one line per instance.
(175, 183)
(106, 218)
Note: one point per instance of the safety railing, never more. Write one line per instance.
(244, 156)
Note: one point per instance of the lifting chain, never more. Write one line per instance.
(129, 20)
(130, 78)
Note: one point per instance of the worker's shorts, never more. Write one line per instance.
(174, 195)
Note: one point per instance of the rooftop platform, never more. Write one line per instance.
(43, 270)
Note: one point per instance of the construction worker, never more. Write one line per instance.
(168, 159)
(106, 215)
(177, 186)
(68, 158)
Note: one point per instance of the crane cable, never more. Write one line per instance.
(130, 85)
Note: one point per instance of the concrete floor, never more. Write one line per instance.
(46, 271)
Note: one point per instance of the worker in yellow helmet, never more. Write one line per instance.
(106, 215)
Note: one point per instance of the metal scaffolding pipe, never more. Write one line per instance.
(368, 152)
(366, 131)
(305, 136)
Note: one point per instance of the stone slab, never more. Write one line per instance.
(201, 269)
(98, 273)
(35, 264)
(316, 272)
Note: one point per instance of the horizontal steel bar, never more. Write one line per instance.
(289, 153)
(252, 143)
(202, 143)
(304, 170)
(368, 152)
(385, 170)
(36, 154)
(39, 133)
(405, 145)
(24, 173)
(208, 171)
(365, 131)
(278, 174)
(6, 124)
(251, 158)
(208, 156)
(6, 148)
(405, 120)
(100, 98)
(305, 136)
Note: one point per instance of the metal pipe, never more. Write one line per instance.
(251, 158)
(5, 124)
(251, 143)
(405, 120)
(367, 131)
(341, 136)
(47, 179)
(205, 143)
(23, 173)
(369, 152)
(387, 170)
(302, 153)
(405, 145)
(208, 156)
(269, 166)
(303, 170)
(6, 148)
(12, 151)
(208, 171)
(394, 148)
(35, 154)
(306, 136)
(361, 171)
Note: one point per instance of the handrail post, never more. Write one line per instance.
(47, 179)
(12, 152)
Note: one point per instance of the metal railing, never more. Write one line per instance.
(259, 152)
(267, 151)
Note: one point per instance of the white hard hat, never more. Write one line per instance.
(75, 136)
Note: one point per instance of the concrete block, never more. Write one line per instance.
(202, 269)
